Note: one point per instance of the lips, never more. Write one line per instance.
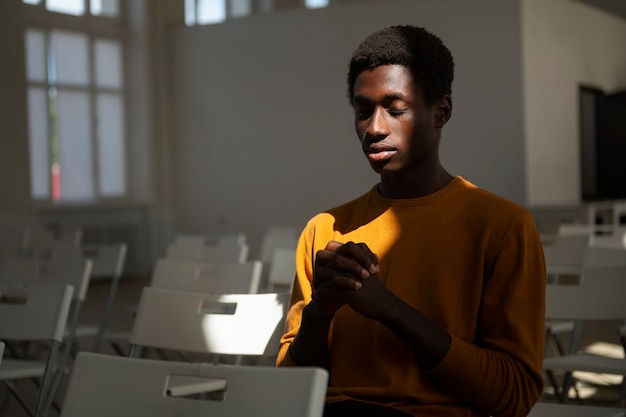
(379, 151)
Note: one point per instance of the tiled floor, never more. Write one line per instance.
(596, 335)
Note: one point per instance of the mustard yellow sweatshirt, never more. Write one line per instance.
(469, 260)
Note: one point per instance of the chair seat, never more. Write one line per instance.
(542, 409)
(586, 362)
(15, 368)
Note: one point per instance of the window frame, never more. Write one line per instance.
(94, 27)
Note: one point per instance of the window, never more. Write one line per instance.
(315, 4)
(75, 107)
(206, 12)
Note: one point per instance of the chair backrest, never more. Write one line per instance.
(34, 312)
(107, 260)
(568, 250)
(211, 239)
(216, 278)
(277, 237)
(105, 385)
(616, 239)
(209, 254)
(74, 271)
(601, 256)
(282, 269)
(235, 324)
(598, 296)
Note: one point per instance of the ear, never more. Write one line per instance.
(442, 111)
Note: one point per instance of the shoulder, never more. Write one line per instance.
(488, 202)
(341, 217)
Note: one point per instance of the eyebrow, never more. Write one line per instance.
(387, 98)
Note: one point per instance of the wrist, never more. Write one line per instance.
(314, 312)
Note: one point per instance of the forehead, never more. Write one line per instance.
(384, 81)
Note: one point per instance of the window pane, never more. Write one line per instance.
(315, 4)
(70, 58)
(35, 55)
(38, 142)
(190, 12)
(111, 163)
(211, 11)
(74, 7)
(75, 149)
(32, 1)
(108, 62)
(105, 7)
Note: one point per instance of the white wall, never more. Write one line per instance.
(566, 44)
(263, 132)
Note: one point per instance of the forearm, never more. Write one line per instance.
(424, 337)
(310, 345)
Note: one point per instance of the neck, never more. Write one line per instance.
(413, 186)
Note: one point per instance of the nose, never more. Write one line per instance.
(377, 126)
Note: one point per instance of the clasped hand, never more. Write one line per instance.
(347, 274)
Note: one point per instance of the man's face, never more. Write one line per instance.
(395, 126)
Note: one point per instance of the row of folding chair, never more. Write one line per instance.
(206, 310)
(35, 241)
(198, 277)
(276, 253)
(598, 295)
(76, 266)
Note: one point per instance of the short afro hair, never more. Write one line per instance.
(421, 52)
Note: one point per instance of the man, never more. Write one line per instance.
(424, 296)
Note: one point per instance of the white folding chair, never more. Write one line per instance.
(34, 313)
(217, 278)
(276, 237)
(70, 270)
(108, 262)
(282, 270)
(545, 409)
(598, 296)
(221, 324)
(209, 254)
(198, 277)
(567, 256)
(567, 251)
(106, 385)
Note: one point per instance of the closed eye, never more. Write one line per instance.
(397, 112)
(363, 114)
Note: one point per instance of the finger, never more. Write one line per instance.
(341, 262)
(331, 278)
(333, 245)
(362, 254)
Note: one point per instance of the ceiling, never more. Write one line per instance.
(616, 7)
